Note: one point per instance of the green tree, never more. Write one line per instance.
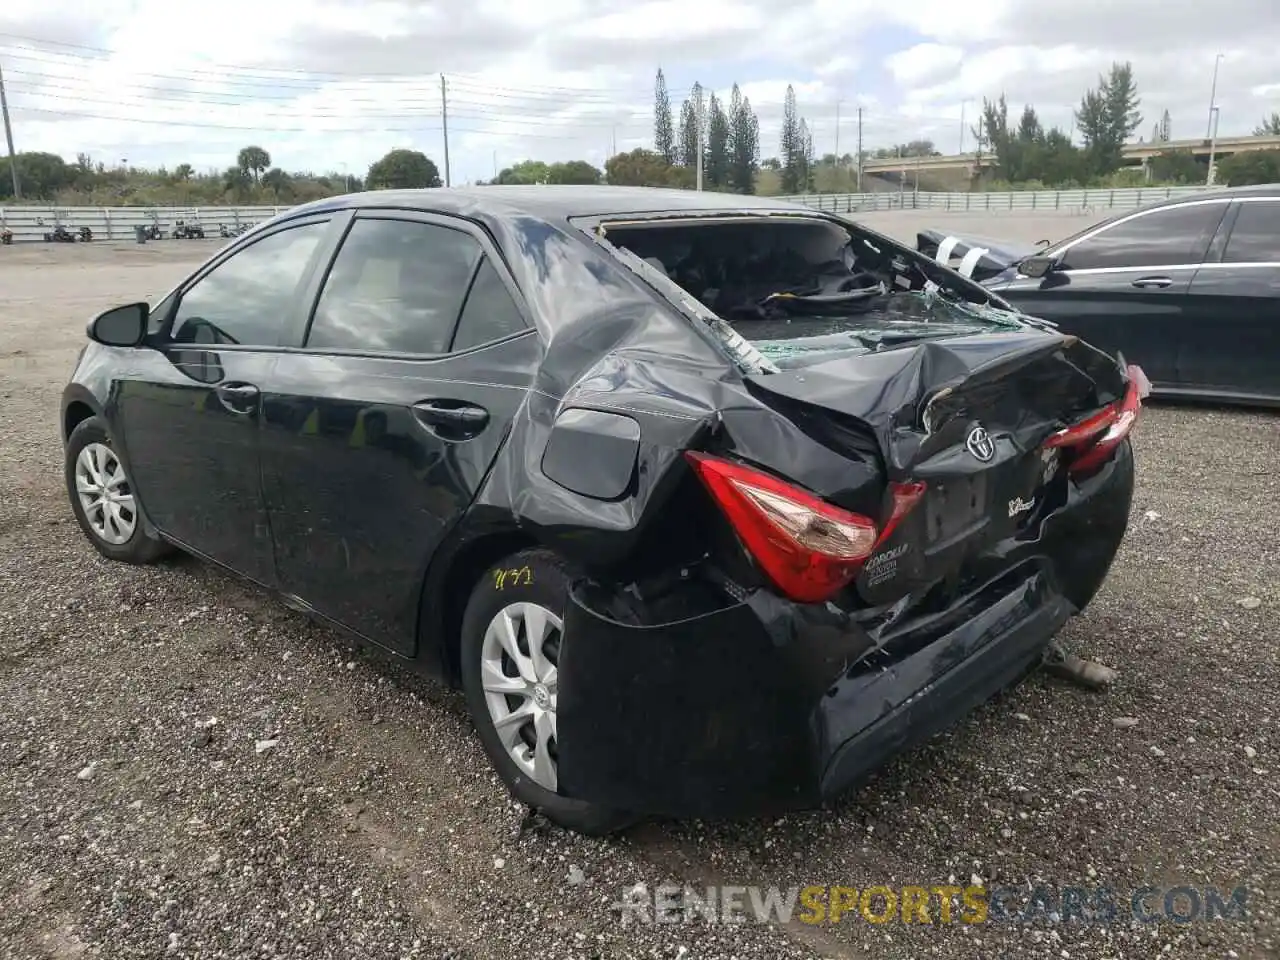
(641, 168)
(806, 159)
(791, 145)
(182, 172)
(525, 172)
(236, 182)
(1057, 162)
(253, 161)
(992, 133)
(718, 161)
(1178, 166)
(1249, 167)
(914, 148)
(1108, 116)
(744, 143)
(402, 169)
(1028, 152)
(691, 115)
(664, 134)
(278, 182)
(40, 175)
(573, 171)
(1030, 130)
(1161, 134)
(1270, 126)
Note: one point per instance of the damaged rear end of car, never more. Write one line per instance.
(896, 495)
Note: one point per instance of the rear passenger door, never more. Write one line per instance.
(1234, 346)
(379, 427)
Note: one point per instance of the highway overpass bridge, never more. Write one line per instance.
(1134, 154)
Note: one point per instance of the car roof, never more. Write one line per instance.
(1210, 193)
(555, 202)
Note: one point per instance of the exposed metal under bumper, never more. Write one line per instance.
(941, 683)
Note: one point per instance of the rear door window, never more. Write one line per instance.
(396, 286)
(490, 312)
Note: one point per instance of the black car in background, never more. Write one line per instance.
(1188, 289)
(708, 503)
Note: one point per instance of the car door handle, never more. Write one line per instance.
(1144, 282)
(451, 419)
(237, 397)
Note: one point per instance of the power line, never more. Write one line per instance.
(278, 74)
(471, 109)
(286, 88)
(320, 102)
(428, 110)
(204, 125)
(285, 81)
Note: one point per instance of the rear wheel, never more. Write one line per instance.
(510, 655)
(103, 498)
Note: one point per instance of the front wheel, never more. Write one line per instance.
(103, 498)
(510, 654)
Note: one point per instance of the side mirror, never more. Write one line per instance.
(120, 326)
(1037, 267)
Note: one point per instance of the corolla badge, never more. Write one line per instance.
(980, 444)
(1017, 505)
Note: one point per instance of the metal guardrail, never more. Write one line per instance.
(1048, 201)
(31, 223)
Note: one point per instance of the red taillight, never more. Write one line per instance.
(1094, 440)
(1084, 431)
(809, 548)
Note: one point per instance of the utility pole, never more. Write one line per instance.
(859, 150)
(8, 136)
(837, 133)
(902, 176)
(444, 123)
(977, 168)
(1213, 145)
(613, 142)
(701, 149)
(495, 166)
(1213, 97)
(962, 105)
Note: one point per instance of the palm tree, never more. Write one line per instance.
(253, 160)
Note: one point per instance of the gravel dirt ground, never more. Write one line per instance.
(134, 825)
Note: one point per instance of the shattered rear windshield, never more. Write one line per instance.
(791, 291)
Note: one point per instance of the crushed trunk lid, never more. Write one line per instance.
(969, 416)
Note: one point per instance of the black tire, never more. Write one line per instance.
(545, 584)
(139, 548)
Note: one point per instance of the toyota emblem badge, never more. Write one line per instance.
(980, 444)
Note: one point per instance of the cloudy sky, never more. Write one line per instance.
(334, 84)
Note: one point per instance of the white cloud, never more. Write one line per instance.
(333, 83)
(924, 61)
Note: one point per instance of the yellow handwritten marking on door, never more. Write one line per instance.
(515, 577)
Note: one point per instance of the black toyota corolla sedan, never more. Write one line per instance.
(708, 503)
